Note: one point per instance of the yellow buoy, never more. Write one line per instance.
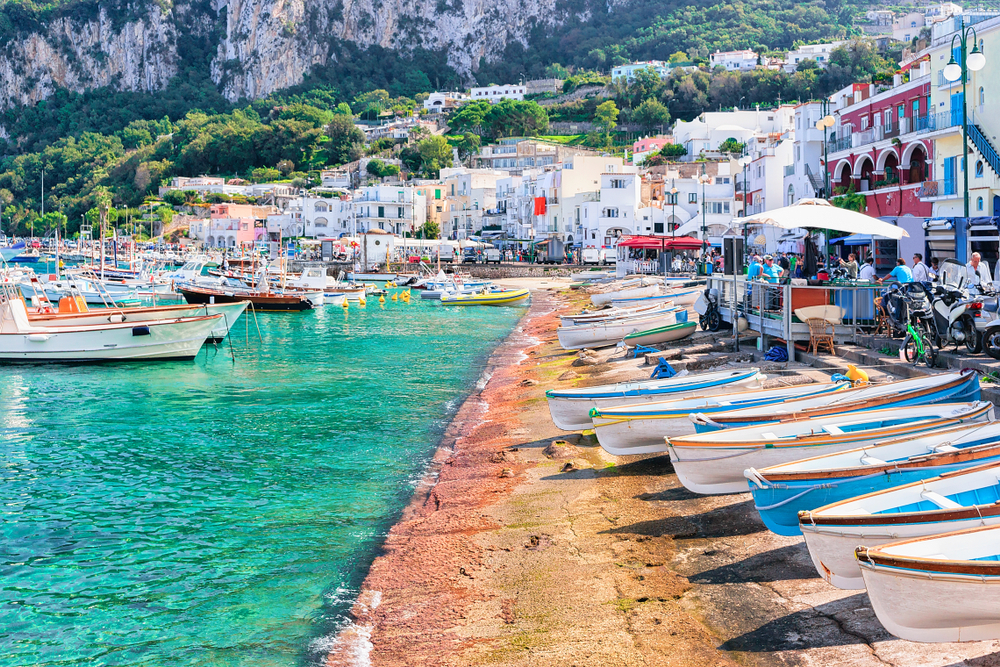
(346, 304)
(856, 376)
(381, 299)
(362, 302)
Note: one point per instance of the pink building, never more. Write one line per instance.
(883, 143)
(231, 226)
(650, 144)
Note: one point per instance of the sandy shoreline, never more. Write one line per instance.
(519, 552)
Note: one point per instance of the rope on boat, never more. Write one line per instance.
(225, 318)
(256, 323)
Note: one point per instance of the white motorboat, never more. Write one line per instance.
(642, 428)
(954, 501)
(70, 314)
(679, 297)
(20, 341)
(570, 408)
(944, 588)
(611, 332)
(714, 462)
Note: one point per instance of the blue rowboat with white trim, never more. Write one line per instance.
(641, 429)
(570, 408)
(944, 388)
(953, 501)
(714, 462)
(781, 492)
(937, 589)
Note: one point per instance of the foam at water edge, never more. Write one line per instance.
(351, 645)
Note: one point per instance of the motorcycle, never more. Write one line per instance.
(707, 307)
(955, 313)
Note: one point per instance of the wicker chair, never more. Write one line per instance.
(883, 327)
(820, 335)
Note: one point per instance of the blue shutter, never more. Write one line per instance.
(949, 176)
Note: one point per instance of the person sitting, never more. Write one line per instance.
(901, 273)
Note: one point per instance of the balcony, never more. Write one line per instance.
(789, 170)
(937, 189)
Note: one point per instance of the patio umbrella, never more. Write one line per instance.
(821, 214)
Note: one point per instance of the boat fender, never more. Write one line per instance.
(857, 376)
(140, 331)
(38, 338)
(117, 318)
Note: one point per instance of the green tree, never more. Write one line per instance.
(265, 175)
(678, 57)
(346, 143)
(556, 71)
(606, 118)
(52, 221)
(435, 154)
(468, 145)
(380, 169)
(731, 145)
(174, 197)
(470, 117)
(651, 114)
(516, 118)
(429, 230)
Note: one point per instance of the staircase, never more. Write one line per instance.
(816, 180)
(984, 147)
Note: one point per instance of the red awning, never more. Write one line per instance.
(661, 242)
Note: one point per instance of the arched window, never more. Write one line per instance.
(979, 204)
(791, 195)
(979, 168)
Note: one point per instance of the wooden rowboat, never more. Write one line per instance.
(714, 462)
(781, 492)
(953, 501)
(944, 588)
(660, 334)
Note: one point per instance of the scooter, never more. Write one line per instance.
(707, 307)
(954, 311)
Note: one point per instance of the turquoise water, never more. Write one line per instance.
(220, 513)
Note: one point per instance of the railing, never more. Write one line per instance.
(840, 144)
(942, 188)
(789, 170)
(985, 148)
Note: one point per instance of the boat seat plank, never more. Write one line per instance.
(945, 448)
(833, 430)
(939, 500)
(872, 461)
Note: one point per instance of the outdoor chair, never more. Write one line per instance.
(820, 335)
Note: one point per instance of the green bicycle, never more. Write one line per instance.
(917, 347)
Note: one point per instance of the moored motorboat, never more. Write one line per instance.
(781, 492)
(262, 301)
(570, 408)
(953, 501)
(946, 387)
(642, 428)
(20, 341)
(666, 334)
(484, 297)
(714, 462)
(944, 588)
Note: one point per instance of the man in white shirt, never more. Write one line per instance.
(867, 272)
(920, 273)
(978, 272)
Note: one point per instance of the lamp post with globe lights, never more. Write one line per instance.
(823, 125)
(953, 71)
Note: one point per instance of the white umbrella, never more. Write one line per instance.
(821, 214)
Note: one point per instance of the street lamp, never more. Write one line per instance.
(703, 179)
(822, 125)
(954, 71)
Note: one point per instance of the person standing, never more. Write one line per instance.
(920, 272)
(978, 272)
(867, 272)
(753, 273)
(851, 265)
(932, 270)
(771, 272)
(901, 273)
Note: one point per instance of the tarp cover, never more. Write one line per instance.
(660, 242)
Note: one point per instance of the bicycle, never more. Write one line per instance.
(918, 346)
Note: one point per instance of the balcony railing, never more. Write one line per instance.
(789, 170)
(901, 126)
(943, 188)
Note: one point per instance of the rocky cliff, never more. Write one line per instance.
(266, 45)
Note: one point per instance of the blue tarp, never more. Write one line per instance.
(854, 239)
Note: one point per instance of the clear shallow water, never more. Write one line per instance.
(211, 513)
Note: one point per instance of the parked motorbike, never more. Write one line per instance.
(707, 307)
(955, 313)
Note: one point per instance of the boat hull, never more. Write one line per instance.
(260, 302)
(608, 297)
(605, 334)
(665, 334)
(165, 340)
(571, 412)
(506, 298)
(625, 430)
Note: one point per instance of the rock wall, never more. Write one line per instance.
(267, 45)
(137, 55)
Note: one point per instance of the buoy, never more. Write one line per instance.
(361, 302)
(395, 297)
(381, 299)
(346, 304)
(856, 376)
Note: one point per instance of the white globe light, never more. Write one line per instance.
(952, 71)
(828, 121)
(976, 61)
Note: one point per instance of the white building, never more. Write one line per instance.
(819, 53)
(705, 197)
(616, 211)
(804, 177)
(203, 185)
(496, 93)
(314, 217)
(628, 71)
(468, 193)
(438, 102)
(393, 208)
(338, 178)
(707, 132)
(734, 60)
(765, 189)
